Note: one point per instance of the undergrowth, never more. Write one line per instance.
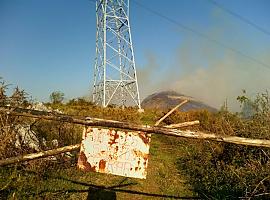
(229, 171)
(213, 170)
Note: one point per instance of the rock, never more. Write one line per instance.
(41, 107)
(26, 137)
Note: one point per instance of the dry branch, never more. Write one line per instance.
(170, 112)
(184, 124)
(43, 154)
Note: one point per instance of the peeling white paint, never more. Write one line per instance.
(110, 151)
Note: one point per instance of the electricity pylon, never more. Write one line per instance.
(115, 79)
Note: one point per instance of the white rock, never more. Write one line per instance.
(25, 136)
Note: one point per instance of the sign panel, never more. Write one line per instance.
(116, 152)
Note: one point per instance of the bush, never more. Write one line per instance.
(8, 123)
(227, 171)
(57, 97)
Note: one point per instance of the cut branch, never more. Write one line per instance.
(184, 124)
(170, 112)
(43, 154)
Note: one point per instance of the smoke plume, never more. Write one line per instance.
(207, 71)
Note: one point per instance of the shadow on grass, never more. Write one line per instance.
(97, 192)
(94, 192)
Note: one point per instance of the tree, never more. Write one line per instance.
(57, 97)
(3, 89)
(247, 105)
(19, 97)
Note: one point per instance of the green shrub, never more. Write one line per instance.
(227, 171)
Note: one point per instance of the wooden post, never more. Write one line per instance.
(182, 124)
(170, 112)
(42, 154)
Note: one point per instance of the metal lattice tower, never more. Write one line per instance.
(115, 79)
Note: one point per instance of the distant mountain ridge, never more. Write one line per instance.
(168, 99)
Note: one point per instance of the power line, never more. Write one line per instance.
(239, 17)
(183, 26)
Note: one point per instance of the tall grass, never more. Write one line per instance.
(227, 171)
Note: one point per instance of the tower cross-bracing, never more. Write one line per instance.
(115, 79)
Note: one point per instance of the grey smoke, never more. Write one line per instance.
(206, 71)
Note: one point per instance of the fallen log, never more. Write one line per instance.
(31, 112)
(148, 129)
(184, 124)
(42, 154)
(170, 112)
(221, 138)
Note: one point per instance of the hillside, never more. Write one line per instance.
(168, 99)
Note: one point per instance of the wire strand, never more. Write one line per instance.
(183, 26)
(247, 21)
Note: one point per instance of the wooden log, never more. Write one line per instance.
(48, 115)
(42, 154)
(170, 112)
(227, 139)
(184, 124)
(149, 129)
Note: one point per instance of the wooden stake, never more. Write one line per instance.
(182, 124)
(43, 154)
(170, 112)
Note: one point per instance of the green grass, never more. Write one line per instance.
(67, 182)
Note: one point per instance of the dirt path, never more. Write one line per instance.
(64, 181)
(163, 179)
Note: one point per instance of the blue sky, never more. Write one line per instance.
(48, 45)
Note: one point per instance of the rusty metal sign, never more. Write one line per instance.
(116, 152)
